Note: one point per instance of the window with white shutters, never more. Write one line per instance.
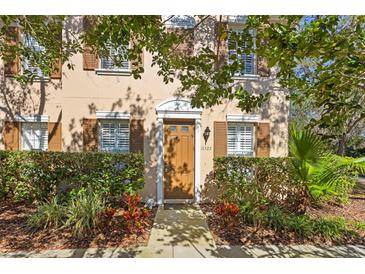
(29, 63)
(34, 136)
(249, 60)
(114, 135)
(107, 62)
(240, 139)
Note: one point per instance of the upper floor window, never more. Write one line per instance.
(29, 63)
(249, 60)
(34, 136)
(180, 21)
(114, 135)
(120, 54)
(237, 19)
(240, 139)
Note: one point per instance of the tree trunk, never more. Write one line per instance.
(342, 145)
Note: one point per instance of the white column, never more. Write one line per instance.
(159, 139)
(197, 159)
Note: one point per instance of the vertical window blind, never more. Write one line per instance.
(107, 62)
(34, 136)
(114, 135)
(249, 60)
(240, 139)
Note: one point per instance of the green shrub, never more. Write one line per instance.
(48, 215)
(331, 228)
(40, 176)
(276, 219)
(252, 214)
(83, 212)
(301, 225)
(359, 225)
(261, 181)
(23, 192)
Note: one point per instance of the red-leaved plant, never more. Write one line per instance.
(135, 217)
(106, 217)
(228, 212)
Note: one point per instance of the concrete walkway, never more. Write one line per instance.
(266, 251)
(182, 232)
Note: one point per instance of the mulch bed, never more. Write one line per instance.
(15, 235)
(242, 234)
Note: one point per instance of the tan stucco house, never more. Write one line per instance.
(100, 107)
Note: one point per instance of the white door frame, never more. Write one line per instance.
(177, 109)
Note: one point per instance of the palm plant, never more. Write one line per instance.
(324, 175)
(306, 149)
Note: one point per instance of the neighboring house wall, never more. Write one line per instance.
(74, 101)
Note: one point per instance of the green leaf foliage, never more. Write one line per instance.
(327, 176)
(29, 176)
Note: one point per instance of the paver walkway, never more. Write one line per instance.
(182, 232)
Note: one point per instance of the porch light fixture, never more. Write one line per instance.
(206, 134)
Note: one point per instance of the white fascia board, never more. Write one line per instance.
(113, 115)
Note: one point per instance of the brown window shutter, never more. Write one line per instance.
(221, 32)
(136, 136)
(56, 68)
(262, 67)
(11, 135)
(90, 58)
(56, 72)
(54, 136)
(90, 134)
(220, 138)
(12, 67)
(263, 140)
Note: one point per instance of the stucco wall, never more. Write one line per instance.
(81, 93)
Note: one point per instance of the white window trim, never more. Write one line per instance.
(253, 138)
(113, 115)
(116, 120)
(23, 133)
(254, 77)
(121, 72)
(31, 118)
(114, 71)
(244, 118)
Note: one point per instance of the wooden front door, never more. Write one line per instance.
(179, 160)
